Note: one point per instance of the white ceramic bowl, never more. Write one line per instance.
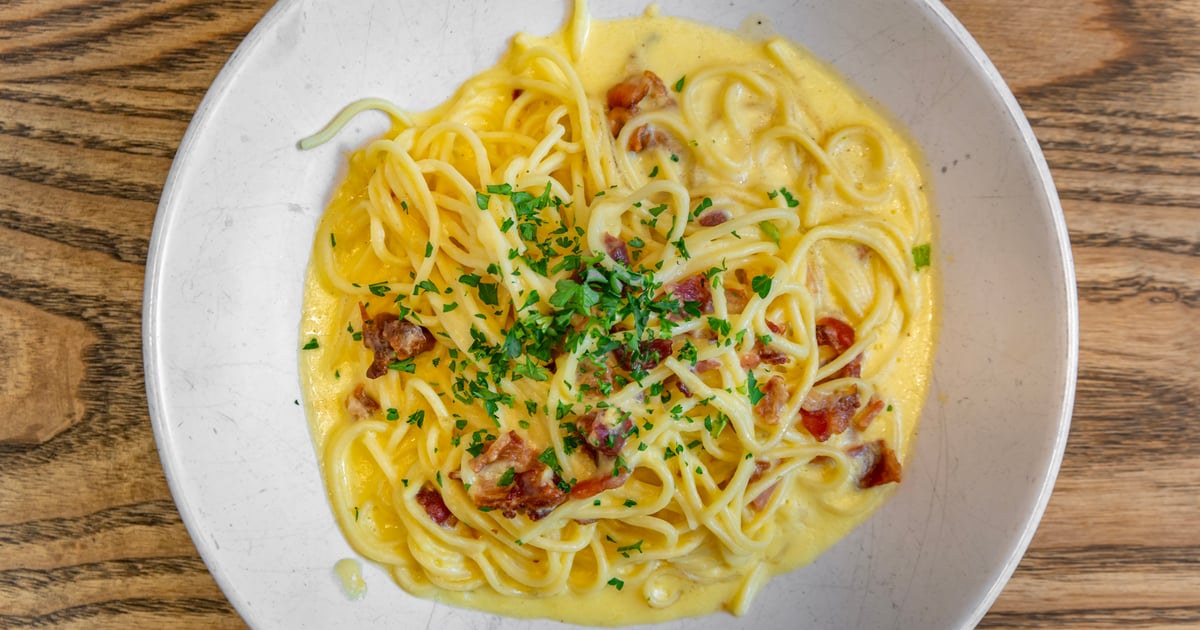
(233, 234)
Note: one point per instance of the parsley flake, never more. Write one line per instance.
(761, 285)
(921, 255)
(507, 478)
(752, 389)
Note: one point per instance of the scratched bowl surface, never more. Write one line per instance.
(232, 240)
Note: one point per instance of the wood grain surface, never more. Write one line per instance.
(95, 96)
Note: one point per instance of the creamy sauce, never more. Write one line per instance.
(349, 575)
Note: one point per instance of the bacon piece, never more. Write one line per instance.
(604, 430)
(714, 217)
(827, 414)
(678, 383)
(594, 377)
(392, 339)
(880, 464)
(706, 365)
(508, 449)
(834, 333)
(760, 501)
(646, 137)
(775, 398)
(853, 369)
(778, 329)
(617, 250)
(650, 353)
(694, 288)
(360, 404)
(838, 336)
(435, 507)
(735, 300)
(628, 94)
(627, 98)
(591, 487)
(617, 117)
(762, 354)
(863, 419)
(531, 488)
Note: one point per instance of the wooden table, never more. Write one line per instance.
(95, 96)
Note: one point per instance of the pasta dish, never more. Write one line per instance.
(639, 318)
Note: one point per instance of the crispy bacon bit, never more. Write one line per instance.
(778, 329)
(714, 217)
(360, 404)
(602, 431)
(760, 501)
(627, 98)
(629, 93)
(617, 250)
(764, 497)
(762, 354)
(650, 353)
(864, 418)
(508, 449)
(617, 117)
(435, 507)
(678, 383)
(827, 414)
(591, 487)
(735, 300)
(880, 464)
(838, 336)
(392, 339)
(853, 369)
(706, 365)
(834, 333)
(594, 377)
(531, 488)
(694, 288)
(775, 398)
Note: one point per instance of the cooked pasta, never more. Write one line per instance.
(637, 319)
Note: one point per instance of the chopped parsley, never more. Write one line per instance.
(678, 87)
(507, 478)
(311, 345)
(761, 285)
(752, 389)
(625, 549)
(770, 231)
(921, 255)
(787, 196)
(407, 365)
